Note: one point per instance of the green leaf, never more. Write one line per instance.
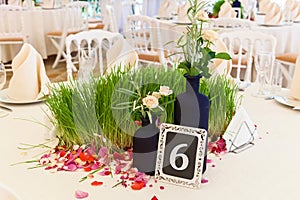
(223, 55)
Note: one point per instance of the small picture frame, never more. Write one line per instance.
(180, 155)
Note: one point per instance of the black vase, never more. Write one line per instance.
(145, 142)
(192, 108)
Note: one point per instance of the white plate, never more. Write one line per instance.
(286, 101)
(272, 25)
(182, 23)
(5, 99)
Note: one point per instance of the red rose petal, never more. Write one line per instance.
(96, 183)
(162, 187)
(209, 160)
(137, 185)
(107, 173)
(87, 169)
(81, 194)
(154, 198)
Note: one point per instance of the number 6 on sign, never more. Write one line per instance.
(180, 155)
(174, 155)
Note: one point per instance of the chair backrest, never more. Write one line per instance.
(243, 47)
(144, 35)
(11, 24)
(88, 39)
(110, 19)
(76, 17)
(229, 24)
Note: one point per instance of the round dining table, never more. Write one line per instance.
(267, 170)
(37, 22)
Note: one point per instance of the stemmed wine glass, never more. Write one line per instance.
(2, 75)
(263, 62)
(2, 83)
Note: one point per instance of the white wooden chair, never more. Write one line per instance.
(144, 35)
(11, 26)
(91, 38)
(287, 64)
(75, 17)
(243, 46)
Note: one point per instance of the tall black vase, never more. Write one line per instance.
(145, 142)
(192, 108)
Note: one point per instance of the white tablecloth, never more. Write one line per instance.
(267, 171)
(38, 22)
(287, 36)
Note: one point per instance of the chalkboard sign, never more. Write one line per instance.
(180, 155)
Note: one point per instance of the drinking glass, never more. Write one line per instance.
(263, 61)
(2, 76)
(87, 63)
(3, 113)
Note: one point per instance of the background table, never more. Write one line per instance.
(268, 170)
(38, 22)
(287, 36)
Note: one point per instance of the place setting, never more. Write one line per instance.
(29, 83)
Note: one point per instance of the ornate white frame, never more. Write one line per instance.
(201, 134)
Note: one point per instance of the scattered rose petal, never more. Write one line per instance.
(150, 185)
(204, 180)
(137, 185)
(209, 160)
(162, 187)
(260, 138)
(154, 198)
(213, 165)
(96, 183)
(87, 169)
(81, 194)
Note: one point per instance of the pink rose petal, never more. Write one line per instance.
(204, 180)
(81, 194)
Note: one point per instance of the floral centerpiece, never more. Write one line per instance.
(196, 42)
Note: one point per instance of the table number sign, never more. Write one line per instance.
(180, 155)
(240, 133)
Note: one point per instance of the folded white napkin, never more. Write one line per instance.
(48, 3)
(220, 66)
(264, 6)
(295, 85)
(167, 7)
(226, 11)
(29, 80)
(296, 17)
(274, 16)
(294, 10)
(162, 12)
(182, 13)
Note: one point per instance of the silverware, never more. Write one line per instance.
(6, 108)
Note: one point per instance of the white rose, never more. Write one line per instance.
(202, 16)
(150, 101)
(165, 90)
(156, 94)
(210, 35)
